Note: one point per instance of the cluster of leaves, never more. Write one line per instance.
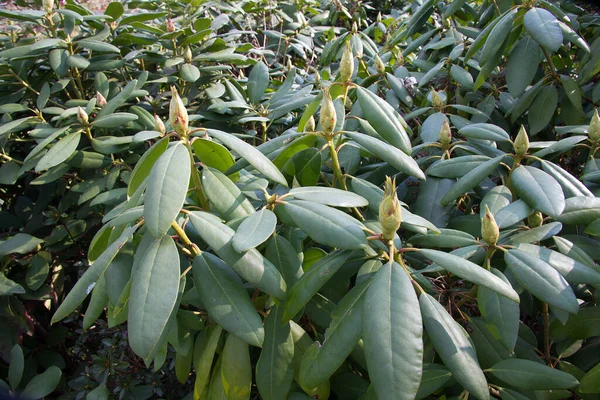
(208, 178)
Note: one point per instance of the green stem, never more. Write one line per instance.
(337, 169)
(551, 64)
(185, 239)
(547, 335)
(196, 178)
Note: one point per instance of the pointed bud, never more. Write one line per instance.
(100, 100)
(347, 63)
(399, 57)
(521, 144)
(159, 126)
(82, 116)
(48, 5)
(187, 54)
(594, 129)
(379, 17)
(328, 114)
(310, 125)
(289, 64)
(536, 219)
(178, 116)
(436, 100)
(445, 134)
(170, 25)
(354, 27)
(489, 229)
(390, 211)
(317, 77)
(379, 65)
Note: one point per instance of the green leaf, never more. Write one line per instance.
(274, 369)
(501, 314)
(386, 121)
(512, 213)
(144, 165)
(100, 392)
(434, 377)
(543, 27)
(541, 280)
(471, 179)
(154, 289)
(321, 361)
(258, 82)
(485, 132)
(391, 155)
(324, 224)
(204, 354)
(580, 210)
(304, 167)
(236, 369)
(571, 186)
(86, 283)
(471, 272)
(250, 265)
(522, 65)
(59, 152)
(257, 159)
(393, 334)
(443, 238)
(21, 243)
(537, 234)
(590, 383)
(456, 167)
(497, 36)
(285, 257)
(189, 72)
(531, 375)
(226, 300)
(312, 281)
(430, 130)
(167, 188)
(539, 190)
(43, 384)
(15, 366)
(225, 197)
(542, 109)
(329, 196)
(573, 270)
(254, 230)
(215, 155)
(453, 346)
(113, 120)
(114, 10)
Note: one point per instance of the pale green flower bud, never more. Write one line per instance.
(187, 54)
(82, 116)
(178, 115)
(445, 134)
(489, 229)
(48, 5)
(390, 211)
(347, 63)
(170, 25)
(536, 219)
(159, 125)
(354, 27)
(436, 100)
(379, 65)
(328, 115)
(310, 125)
(594, 129)
(521, 144)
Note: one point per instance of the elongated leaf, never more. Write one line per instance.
(485, 132)
(258, 81)
(224, 195)
(498, 34)
(531, 375)
(329, 196)
(274, 372)
(226, 300)
(204, 353)
(254, 230)
(214, 155)
(580, 210)
(453, 346)
(59, 152)
(86, 283)
(391, 155)
(522, 65)
(537, 234)
(257, 159)
(312, 281)
(393, 334)
(573, 270)
(471, 271)
(539, 190)
(542, 109)
(471, 179)
(167, 187)
(321, 361)
(501, 314)
(43, 384)
(154, 288)
(455, 167)
(15, 366)
(434, 377)
(236, 369)
(250, 265)
(541, 280)
(144, 165)
(443, 238)
(285, 257)
(386, 121)
(324, 224)
(114, 120)
(590, 383)
(543, 27)
(571, 186)
(512, 213)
